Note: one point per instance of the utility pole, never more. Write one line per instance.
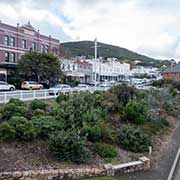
(95, 59)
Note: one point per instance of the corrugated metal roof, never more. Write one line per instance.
(175, 69)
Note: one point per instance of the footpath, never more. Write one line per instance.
(164, 163)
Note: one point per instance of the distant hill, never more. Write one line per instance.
(85, 48)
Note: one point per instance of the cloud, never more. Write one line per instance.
(144, 27)
(149, 27)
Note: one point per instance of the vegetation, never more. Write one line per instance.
(121, 117)
(83, 48)
(40, 67)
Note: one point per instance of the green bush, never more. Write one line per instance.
(17, 102)
(7, 132)
(39, 112)
(69, 146)
(136, 112)
(12, 109)
(152, 127)
(93, 133)
(24, 128)
(46, 124)
(38, 104)
(105, 150)
(62, 97)
(133, 139)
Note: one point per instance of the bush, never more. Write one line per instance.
(106, 150)
(12, 109)
(7, 132)
(38, 104)
(24, 128)
(152, 127)
(69, 146)
(62, 97)
(133, 139)
(17, 102)
(46, 124)
(39, 112)
(136, 112)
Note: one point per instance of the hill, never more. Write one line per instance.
(85, 48)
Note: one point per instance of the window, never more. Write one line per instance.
(12, 41)
(6, 40)
(33, 46)
(42, 48)
(24, 44)
(13, 60)
(6, 56)
(46, 49)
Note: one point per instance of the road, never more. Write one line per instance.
(164, 165)
(177, 174)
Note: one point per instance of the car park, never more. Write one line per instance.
(4, 86)
(60, 88)
(31, 85)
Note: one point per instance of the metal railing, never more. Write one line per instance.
(26, 95)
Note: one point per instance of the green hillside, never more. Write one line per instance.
(85, 48)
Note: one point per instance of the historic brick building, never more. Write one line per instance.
(172, 73)
(15, 41)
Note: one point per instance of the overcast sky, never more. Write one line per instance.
(150, 27)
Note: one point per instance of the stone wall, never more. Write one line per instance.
(106, 170)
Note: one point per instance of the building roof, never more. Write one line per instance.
(28, 26)
(175, 69)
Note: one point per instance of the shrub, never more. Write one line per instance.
(93, 133)
(136, 112)
(69, 146)
(39, 112)
(106, 150)
(7, 132)
(24, 128)
(133, 138)
(62, 97)
(38, 104)
(46, 124)
(12, 109)
(17, 102)
(152, 127)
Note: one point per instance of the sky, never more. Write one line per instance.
(149, 27)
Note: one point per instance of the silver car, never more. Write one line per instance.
(81, 88)
(4, 86)
(59, 89)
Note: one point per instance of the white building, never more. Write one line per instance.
(109, 70)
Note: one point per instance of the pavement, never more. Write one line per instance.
(177, 174)
(164, 164)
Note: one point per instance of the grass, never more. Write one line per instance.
(103, 178)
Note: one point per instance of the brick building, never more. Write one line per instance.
(172, 73)
(15, 41)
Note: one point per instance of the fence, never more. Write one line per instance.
(36, 94)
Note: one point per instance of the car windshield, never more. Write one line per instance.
(32, 82)
(58, 86)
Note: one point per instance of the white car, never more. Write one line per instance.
(59, 89)
(81, 88)
(4, 86)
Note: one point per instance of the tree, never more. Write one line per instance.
(39, 67)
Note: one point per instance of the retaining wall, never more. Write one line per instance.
(106, 170)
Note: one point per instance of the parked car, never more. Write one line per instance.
(31, 85)
(4, 86)
(81, 88)
(60, 88)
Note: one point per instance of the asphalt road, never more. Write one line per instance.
(164, 165)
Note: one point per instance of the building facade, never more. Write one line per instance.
(172, 73)
(78, 70)
(109, 70)
(15, 41)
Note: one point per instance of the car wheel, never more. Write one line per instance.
(11, 89)
(40, 88)
(30, 88)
